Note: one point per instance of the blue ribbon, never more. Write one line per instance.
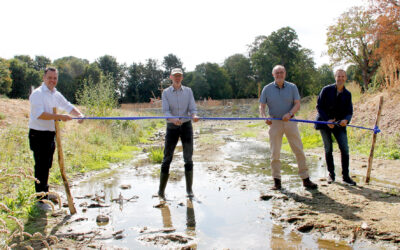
(375, 129)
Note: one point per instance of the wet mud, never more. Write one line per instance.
(233, 207)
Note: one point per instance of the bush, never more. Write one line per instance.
(99, 99)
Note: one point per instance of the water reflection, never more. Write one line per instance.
(228, 216)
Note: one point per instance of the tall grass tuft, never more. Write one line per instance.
(156, 154)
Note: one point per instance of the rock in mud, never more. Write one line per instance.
(125, 186)
(305, 228)
(102, 219)
(266, 197)
(293, 219)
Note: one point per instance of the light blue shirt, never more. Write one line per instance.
(279, 100)
(44, 100)
(178, 102)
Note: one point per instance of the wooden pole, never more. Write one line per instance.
(371, 154)
(61, 163)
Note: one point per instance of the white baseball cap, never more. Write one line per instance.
(176, 71)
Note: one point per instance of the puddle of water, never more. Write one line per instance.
(227, 211)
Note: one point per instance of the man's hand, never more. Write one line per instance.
(268, 122)
(331, 125)
(343, 123)
(176, 121)
(64, 118)
(286, 117)
(195, 118)
(81, 120)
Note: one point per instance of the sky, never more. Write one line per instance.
(133, 31)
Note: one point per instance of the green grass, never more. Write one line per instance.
(90, 146)
(2, 116)
(156, 154)
(249, 134)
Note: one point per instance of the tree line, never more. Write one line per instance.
(365, 39)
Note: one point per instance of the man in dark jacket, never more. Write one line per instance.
(335, 105)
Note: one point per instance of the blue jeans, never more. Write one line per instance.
(185, 132)
(341, 138)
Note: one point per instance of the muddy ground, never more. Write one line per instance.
(334, 216)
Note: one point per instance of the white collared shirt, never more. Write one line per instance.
(44, 100)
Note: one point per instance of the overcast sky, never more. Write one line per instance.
(133, 31)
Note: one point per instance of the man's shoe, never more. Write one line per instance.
(307, 183)
(277, 184)
(331, 178)
(349, 181)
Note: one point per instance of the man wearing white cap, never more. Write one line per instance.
(178, 100)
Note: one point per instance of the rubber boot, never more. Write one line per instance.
(307, 183)
(163, 183)
(189, 183)
(277, 184)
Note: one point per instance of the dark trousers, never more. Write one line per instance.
(340, 135)
(42, 144)
(185, 132)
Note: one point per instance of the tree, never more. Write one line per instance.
(109, 65)
(143, 81)
(281, 47)
(217, 78)
(387, 30)
(71, 71)
(241, 77)
(135, 78)
(198, 84)
(26, 59)
(23, 78)
(348, 41)
(354, 74)
(171, 61)
(5, 77)
(41, 62)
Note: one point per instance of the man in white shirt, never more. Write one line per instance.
(41, 125)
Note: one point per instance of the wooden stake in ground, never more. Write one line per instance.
(371, 154)
(61, 163)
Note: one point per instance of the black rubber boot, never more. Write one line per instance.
(277, 184)
(189, 183)
(307, 183)
(163, 183)
(349, 181)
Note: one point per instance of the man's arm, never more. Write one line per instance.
(48, 116)
(292, 112)
(262, 113)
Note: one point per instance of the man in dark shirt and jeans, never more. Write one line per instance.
(335, 105)
(178, 100)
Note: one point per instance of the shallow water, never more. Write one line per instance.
(226, 213)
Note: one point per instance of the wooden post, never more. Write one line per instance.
(371, 154)
(61, 163)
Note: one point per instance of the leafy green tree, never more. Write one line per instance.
(143, 81)
(354, 74)
(109, 65)
(135, 78)
(241, 78)
(349, 42)
(26, 59)
(217, 78)
(5, 77)
(23, 78)
(71, 71)
(92, 73)
(282, 47)
(198, 84)
(171, 61)
(41, 62)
